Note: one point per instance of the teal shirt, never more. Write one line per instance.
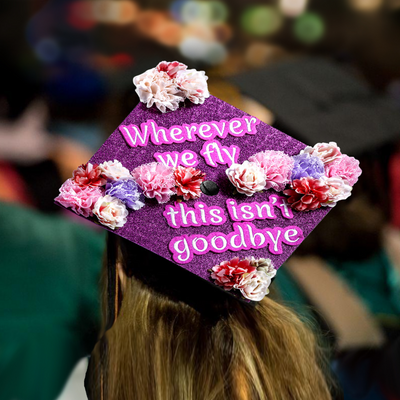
(49, 300)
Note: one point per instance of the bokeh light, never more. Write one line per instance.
(194, 11)
(309, 28)
(47, 50)
(259, 54)
(261, 20)
(293, 8)
(366, 5)
(193, 48)
(219, 12)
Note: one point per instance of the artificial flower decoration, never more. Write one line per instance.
(345, 167)
(250, 276)
(248, 178)
(277, 167)
(128, 192)
(188, 181)
(156, 180)
(79, 198)
(193, 84)
(326, 152)
(339, 189)
(111, 212)
(306, 165)
(114, 171)
(88, 175)
(307, 194)
(170, 83)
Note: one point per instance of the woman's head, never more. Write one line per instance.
(177, 337)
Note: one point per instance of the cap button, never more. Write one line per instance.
(209, 188)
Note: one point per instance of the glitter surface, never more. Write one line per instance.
(148, 228)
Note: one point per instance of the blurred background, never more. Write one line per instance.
(320, 70)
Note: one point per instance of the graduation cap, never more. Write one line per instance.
(206, 186)
(316, 101)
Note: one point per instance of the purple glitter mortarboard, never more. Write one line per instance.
(149, 228)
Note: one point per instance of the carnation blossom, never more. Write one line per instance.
(128, 192)
(156, 87)
(156, 180)
(277, 167)
(114, 171)
(110, 212)
(307, 194)
(345, 167)
(80, 199)
(306, 165)
(257, 287)
(193, 84)
(339, 189)
(248, 178)
(265, 265)
(188, 181)
(171, 68)
(88, 175)
(232, 274)
(326, 152)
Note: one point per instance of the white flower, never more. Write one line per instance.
(339, 189)
(257, 287)
(326, 152)
(248, 178)
(110, 212)
(193, 84)
(156, 87)
(264, 265)
(114, 171)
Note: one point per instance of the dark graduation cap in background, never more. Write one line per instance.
(315, 100)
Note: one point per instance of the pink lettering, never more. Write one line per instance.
(214, 153)
(187, 158)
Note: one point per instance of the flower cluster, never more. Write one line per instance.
(107, 190)
(252, 277)
(318, 176)
(161, 182)
(170, 83)
(102, 191)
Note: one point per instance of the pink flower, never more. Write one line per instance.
(188, 181)
(193, 84)
(277, 167)
(114, 171)
(81, 199)
(156, 180)
(154, 87)
(345, 167)
(248, 178)
(110, 212)
(326, 152)
(88, 175)
(307, 194)
(256, 288)
(339, 189)
(233, 274)
(171, 68)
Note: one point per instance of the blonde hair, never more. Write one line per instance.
(161, 348)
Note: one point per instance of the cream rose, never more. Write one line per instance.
(248, 178)
(339, 189)
(257, 287)
(114, 171)
(326, 152)
(193, 84)
(110, 212)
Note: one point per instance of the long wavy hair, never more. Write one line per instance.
(177, 337)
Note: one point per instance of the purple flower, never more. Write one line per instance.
(127, 191)
(306, 165)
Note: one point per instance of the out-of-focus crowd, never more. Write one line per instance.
(318, 70)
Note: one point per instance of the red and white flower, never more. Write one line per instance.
(339, 189)
(88, 175)
(307, 194)
(110, 212)
(188, 181)
(171, 68)
(248, 178)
